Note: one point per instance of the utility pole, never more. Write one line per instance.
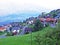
(31, 37)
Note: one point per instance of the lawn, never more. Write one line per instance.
(23, 40)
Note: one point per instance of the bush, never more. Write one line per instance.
(49, 38)
(1, 32)
(38, 25)
(9, 34)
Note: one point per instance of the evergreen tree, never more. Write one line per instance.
(38, 25)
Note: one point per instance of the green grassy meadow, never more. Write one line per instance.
(23, 40)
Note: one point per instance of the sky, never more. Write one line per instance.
(14, 6)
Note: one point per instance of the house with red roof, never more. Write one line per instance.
(48, 19)
(51, 21)
(2, 29)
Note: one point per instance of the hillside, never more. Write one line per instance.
(46, 36)
(23, 40)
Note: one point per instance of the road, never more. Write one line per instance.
(3, 36)
(23, 30)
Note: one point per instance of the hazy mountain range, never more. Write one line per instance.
(17, 17)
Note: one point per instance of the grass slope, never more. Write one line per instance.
(23, 40)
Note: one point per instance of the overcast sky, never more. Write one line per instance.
(12, 6)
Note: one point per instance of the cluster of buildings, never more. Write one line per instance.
(13, 28)
(45, 20)
(16, 27)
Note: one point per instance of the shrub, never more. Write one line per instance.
(1, 32)
(9, 34)
(38, 25)
(49, 38)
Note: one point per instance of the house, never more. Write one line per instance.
(8, 27)
(43, 21)
(15, 30)
(51, 21)
(28, 30)
(2, 28)
(30, 22)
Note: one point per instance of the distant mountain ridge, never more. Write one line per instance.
(20, 16)
(17, 17)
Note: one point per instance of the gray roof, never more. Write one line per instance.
(15, 28)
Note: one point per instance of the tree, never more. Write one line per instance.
(51, 37)
(38, 25)
(53, 13)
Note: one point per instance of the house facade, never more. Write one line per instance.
(51, 21)
(2, 29)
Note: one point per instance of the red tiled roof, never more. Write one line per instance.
(42, 19)
(47, 19)
(2, 28)
(50, 19)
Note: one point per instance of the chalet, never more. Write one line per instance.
(2, 29)
(30, 22)
(8, 27)
(15, 30)
(28, 30)
(51, 21)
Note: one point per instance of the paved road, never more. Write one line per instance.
(3, 36)
(23, 30)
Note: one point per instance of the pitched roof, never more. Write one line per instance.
(42, 19)
(16, 28)
(50, 19)
(47, 19)
(2, 28)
